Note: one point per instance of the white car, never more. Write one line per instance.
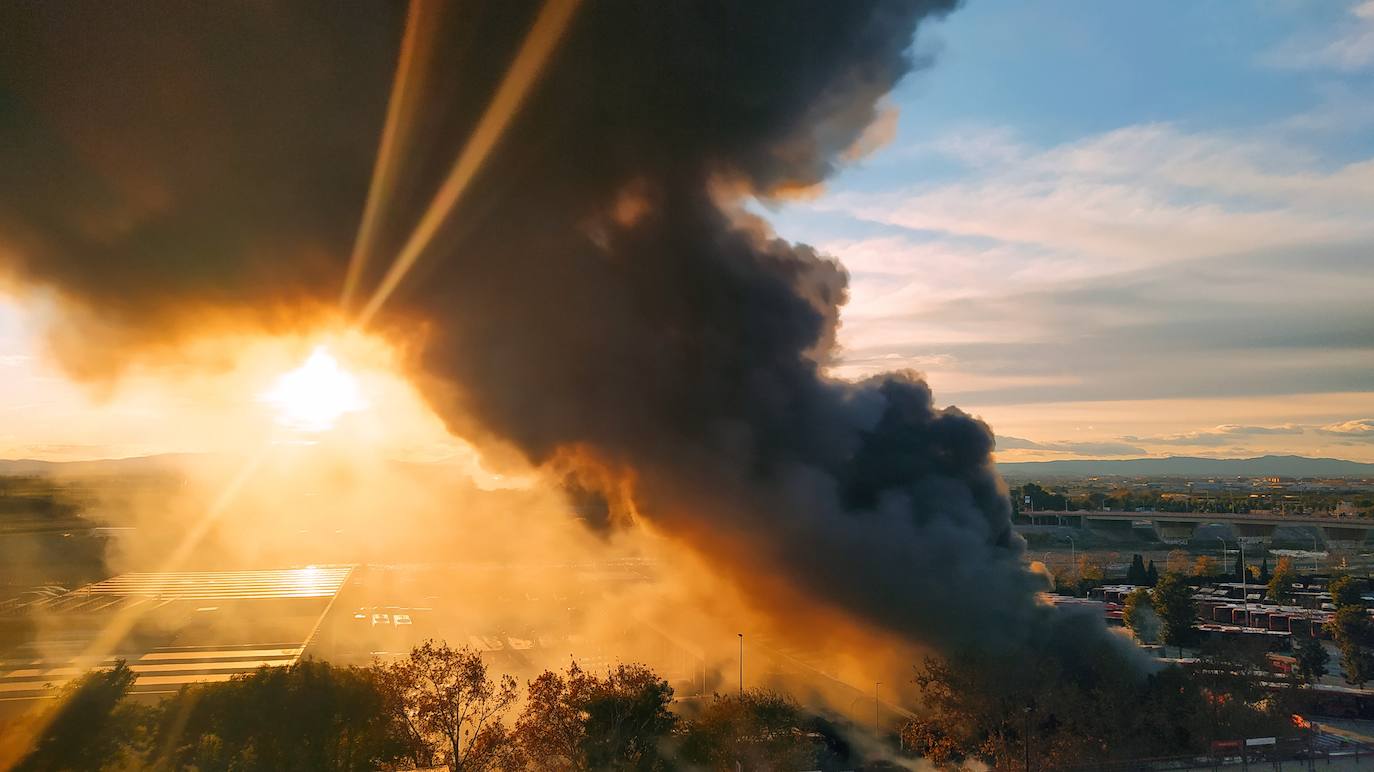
(400, 619)
(381, 619)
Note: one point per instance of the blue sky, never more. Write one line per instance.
(1110, 229)
(1125, 228)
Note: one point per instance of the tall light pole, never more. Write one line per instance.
(741, 665)
(1073, 549)
(1244, 576)
(876, 684)
(1315, 569)
(1223, 554)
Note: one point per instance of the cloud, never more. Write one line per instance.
(1349, 46)
(1224, 434)
(1240, 324)
(1358, 430)
(1146, 261)
(1078, 448)
(1142, 194)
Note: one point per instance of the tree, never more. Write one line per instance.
(1354, 634)
(553, 725)
(1151, 574)
(1176, 562)
(1264, 571)
(1205, 565)
(1238, 570)
(575, 720)
(1089, 704)
(627, 720)
(448, 699)
(758, 730)
(1346, 591)
(82, 731)
(1173, 602)
(1090, 574)
(1312, 658)
(1136, 573)
(1139, 615)
(1281, 583)
(309, 715)
(928, 739)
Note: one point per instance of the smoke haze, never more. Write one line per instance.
(599, 304)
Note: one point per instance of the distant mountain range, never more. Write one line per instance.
(1171, 466)
(1192, 466)
(98, 467)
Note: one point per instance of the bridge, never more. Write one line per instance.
(1184, 524)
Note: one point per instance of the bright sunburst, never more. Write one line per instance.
(312, 397)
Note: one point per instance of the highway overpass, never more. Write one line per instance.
(1174, 525)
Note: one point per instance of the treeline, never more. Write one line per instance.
(1076, 697)
(437, 707)
(1133, 499)
(1089, 700)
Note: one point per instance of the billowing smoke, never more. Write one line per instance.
(599, 300)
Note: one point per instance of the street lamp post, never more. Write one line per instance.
(1315, 568)
(876, 722)
(741, 665)
(1223, 554)
(1244, 588)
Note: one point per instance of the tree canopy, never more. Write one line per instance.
(1173, 602)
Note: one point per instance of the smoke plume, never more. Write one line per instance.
(599, 301)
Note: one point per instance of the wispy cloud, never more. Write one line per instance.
(1348, 46)
(1226, 434)
(1145, 261)
(1137, 195)
(1106, 448)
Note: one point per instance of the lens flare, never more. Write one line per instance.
(315, 395)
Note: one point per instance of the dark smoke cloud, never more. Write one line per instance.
(597, 298)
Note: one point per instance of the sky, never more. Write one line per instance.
(1109, 229)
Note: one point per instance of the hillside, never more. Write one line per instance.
(1192, 466)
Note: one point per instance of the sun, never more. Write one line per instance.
(315, 395)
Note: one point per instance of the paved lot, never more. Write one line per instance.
(182, 628)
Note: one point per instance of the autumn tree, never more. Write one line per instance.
(577, 720)
(928, 739)
(1204, 566)
(552, 727)
(1346, 591)
(1281, 583)
(1176, 562)
(447, 697)
(628, 720)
